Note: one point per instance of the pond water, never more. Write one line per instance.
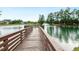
(67, 36)
(4, 30)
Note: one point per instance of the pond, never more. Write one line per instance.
(4, 30)
(66, 36)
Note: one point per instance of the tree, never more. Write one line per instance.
(73, 14)
(77, 13)
(16, 21)
(56, 17)
(41, 19)
(61, 16)
(50, 18)
(64, 17)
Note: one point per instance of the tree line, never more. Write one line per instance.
(18, 21)
(62, 17)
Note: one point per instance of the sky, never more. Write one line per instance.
(27, 13)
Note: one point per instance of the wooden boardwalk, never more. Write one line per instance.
(32, 42)
(29, 39)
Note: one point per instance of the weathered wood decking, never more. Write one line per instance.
(32, 42)
(29, 39)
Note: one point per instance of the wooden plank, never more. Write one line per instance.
(14, 38)
(32, 42)
(14, 45)
(9, 35)
(2, 49)
(51, 41)
(13, 41)
(4, 43)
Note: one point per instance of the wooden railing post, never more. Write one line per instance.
(11, 41)
(26, 32)
(6, 45)
(21, 35)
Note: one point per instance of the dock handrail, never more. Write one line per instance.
(11, 41)
(48, 42)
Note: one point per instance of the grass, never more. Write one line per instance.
(8, 24)
(76, 49)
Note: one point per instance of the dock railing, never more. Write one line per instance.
(11, 41)
(48, 42)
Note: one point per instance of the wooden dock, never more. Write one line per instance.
(32, 42)
(29, 39)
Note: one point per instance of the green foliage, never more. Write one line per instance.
(41, 19)
(64, 17)
(50, 18)
(31, 22)
(76, 49)
(16, 21)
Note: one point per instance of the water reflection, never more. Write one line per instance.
(68, 36)
(49, 30)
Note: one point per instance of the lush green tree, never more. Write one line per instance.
(16, 21)
(73, 14)
(77, 13)
(50, 18)
(66, 17)
(56, 17)
(41, 19)
(61, 16)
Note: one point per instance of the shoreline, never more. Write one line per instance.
(10, 24)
